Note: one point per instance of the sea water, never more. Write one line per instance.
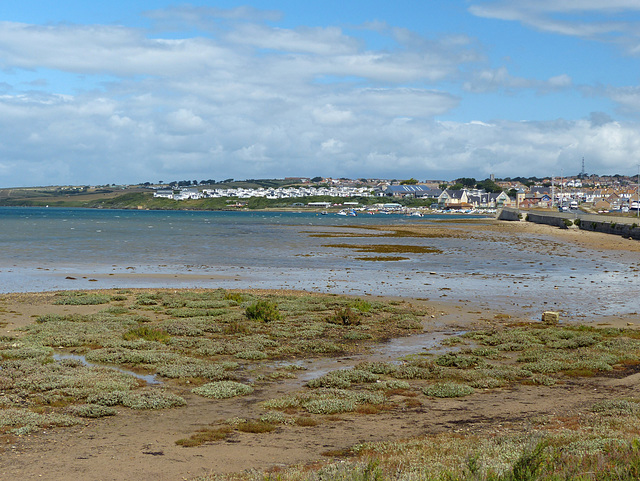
(55, 248)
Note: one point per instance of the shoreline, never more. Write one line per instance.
(594, 251)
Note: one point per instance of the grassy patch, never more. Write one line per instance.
(148, 334)
(345, 317)
(265, 311)
(80, 298)
(205, 435)
(256, 427)
(223, 389)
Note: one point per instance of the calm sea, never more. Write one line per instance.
(52, 248)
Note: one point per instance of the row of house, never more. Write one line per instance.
(451, 199)
(598, 199)
(269, 193)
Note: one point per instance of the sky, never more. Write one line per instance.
(148, 91)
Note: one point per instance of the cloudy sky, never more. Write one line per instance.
(128, 92)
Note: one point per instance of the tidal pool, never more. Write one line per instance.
(148, 378)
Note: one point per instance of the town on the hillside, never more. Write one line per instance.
(594, 193)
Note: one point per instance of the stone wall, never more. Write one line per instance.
(625, 230)
(510, 214)
(622, 226)
(554, 220)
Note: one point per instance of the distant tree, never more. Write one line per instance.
(466, 181)
(227, 180)
(457, 186)
(512, 192)
(316, 179)
(194, 182)
(410, 181)
(363, 180)
(489, 186)
(443, 186)
(160, 182)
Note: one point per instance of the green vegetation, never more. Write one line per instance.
(182, 337)
(223, 389)
(265, 311)
(410, 181)
(209, 343)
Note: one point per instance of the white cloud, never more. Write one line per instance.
(488, 80)
(329, 114)
(601, 20)
(249, 100)
(185, 121)
(320, 41)
(332, 146)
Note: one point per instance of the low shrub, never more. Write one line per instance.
(155, 399)
(148, 334)
(92, 411)
(82, 299)
(205, 435)
(222, 389)
(361, 305)
(255, 427)
(343, 379)
(306, 421)
(448, 389)
(345, 317)
(234, 296)
(265, 311)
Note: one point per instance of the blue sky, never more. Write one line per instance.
(128, 92)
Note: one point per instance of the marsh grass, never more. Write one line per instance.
(148, 334)
(187, 338)
(235, 297)
(447, 390)
(206, 332)
(263, 310)
(222, 390)
(256, 427)
(205, 435)
(345, 317)
(80, 298)
(92, 411)
(306, 421)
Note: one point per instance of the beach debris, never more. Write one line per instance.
(550, 317)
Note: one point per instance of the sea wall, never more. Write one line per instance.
(622, 226)
(509, 214)
(631, 231)
(554, 220)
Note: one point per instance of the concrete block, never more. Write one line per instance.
(550, 317)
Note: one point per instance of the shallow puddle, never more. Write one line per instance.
(392, 351)
(148, 378)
